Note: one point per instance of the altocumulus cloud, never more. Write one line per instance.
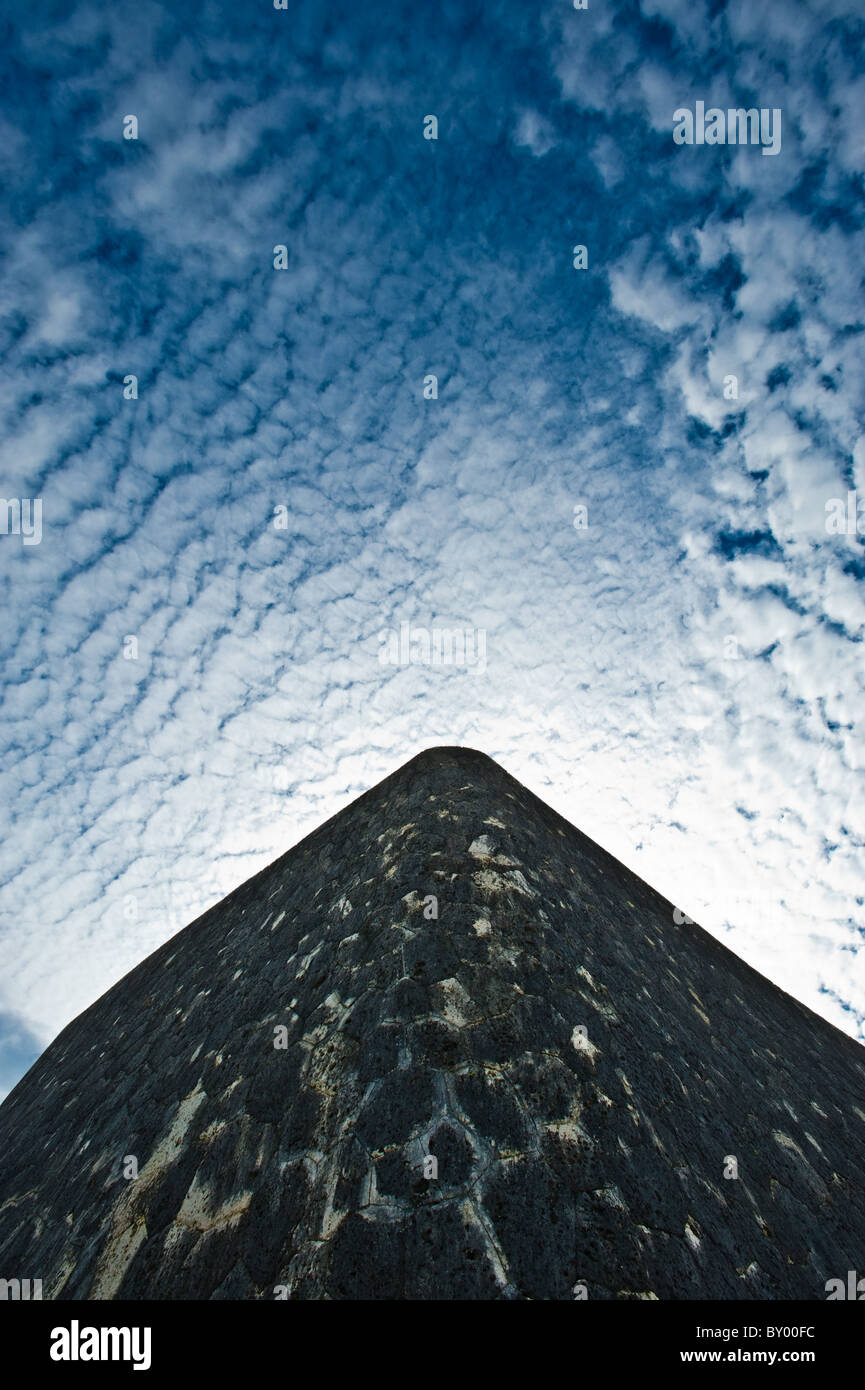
(190, 686)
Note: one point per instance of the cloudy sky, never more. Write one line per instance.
(192, 637)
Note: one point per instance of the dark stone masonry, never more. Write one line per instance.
(581, 1070)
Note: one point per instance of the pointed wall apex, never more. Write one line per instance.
(445, 1048)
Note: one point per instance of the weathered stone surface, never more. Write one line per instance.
(578, 1066)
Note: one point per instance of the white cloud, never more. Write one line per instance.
(143, 790)
(535, 132)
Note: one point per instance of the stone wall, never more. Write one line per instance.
(577, 1070)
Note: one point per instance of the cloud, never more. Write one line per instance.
(192, 650)
(535, 132)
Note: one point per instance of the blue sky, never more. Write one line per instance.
(682, 678)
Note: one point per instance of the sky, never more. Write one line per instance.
(298, 383)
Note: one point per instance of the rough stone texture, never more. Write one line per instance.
(563, 1156)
